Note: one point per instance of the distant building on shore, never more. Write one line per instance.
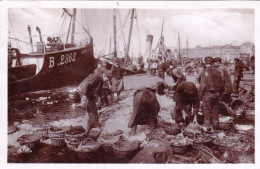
(226, 52)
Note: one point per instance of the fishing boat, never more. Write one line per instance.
(54, 64)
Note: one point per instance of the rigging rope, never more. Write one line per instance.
(138, 34)
(121, 26)
(63, 23)
(17, 42)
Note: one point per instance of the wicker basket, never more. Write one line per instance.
(73, 141)
(56, 133)
(30, 140)
(226, 125)
(224, 144)
(124, 148)
(172, 128)
(86, 148)
(179, 148)
(238, 106)
(57, 142)
(107, 140)
(201, 141)
(43, 133)
(232, 156)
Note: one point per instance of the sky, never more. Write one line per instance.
(202, 27)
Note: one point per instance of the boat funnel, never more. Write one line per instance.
(149, 42)
(40, 34)
(30, 35)
(39, 45)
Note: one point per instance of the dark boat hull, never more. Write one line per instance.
(62, 68)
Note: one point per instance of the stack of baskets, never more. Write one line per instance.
(30, 140)
(56, 136)
(125, 148)
(171, 128)
(86, 148)
(74, 136)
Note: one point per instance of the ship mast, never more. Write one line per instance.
(114, 19)
(187, 47)
(179, 57)
(73, 25)
(129, 36)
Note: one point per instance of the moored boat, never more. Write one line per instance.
(55, 64)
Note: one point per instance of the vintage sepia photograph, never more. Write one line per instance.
(131, 85)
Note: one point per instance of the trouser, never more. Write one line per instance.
(153, 71)
(178, 113)
(210, 102)
(236, 84)
(161, 74)
(93, 118)
(226, 98)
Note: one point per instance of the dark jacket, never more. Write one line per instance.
(187, 93)
(162, 67)
(91, 85)
(227, 83)
(117, 72)
(210, 81)
(145, 107)
(238, 73)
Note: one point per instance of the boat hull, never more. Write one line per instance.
(62, 68)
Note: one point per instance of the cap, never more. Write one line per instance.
(217, 59)
(236, 59)
(208, 60)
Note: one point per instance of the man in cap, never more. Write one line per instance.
(90, 88)
(238, 74)
(161, 69)
(210, 91)
(176, 74)
(226, 80)
(117, 80)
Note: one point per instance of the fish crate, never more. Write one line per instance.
(171, 128)
(30, 140)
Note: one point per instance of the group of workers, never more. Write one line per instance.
(213, 85)
(103, 85)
